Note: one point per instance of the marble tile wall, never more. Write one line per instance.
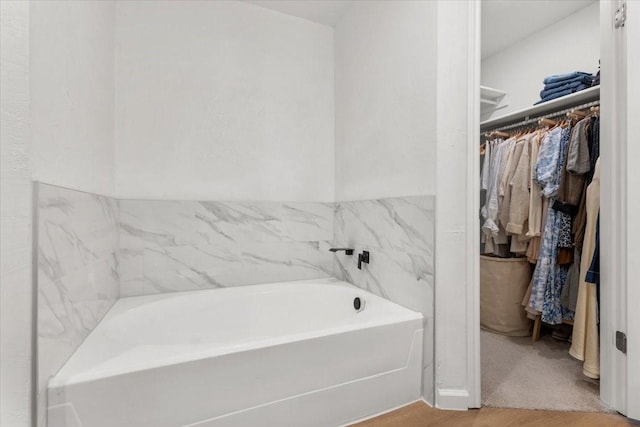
(77, 272)
(399, 233)
(170, 246)
(92, 249)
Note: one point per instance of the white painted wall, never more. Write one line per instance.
(572, 44)
(72, 94)
(15, 217)
(222, 101)
(385, 80)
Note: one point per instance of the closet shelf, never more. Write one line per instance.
(488, 101)
(491, 99)
(491, 93)
(587, 95)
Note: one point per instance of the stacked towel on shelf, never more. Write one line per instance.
(564, 84)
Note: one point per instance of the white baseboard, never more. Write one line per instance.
(425, 401)
(453, 399)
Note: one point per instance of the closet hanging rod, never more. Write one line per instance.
(529, 120)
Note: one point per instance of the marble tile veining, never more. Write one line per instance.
(399, 235)
(170, 246)
(77, 268)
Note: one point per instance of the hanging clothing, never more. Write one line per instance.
(580, 220)
(569, 296)
(515, 203)
(593, 274)
(594, 145)
(546, 169)
(520, 196)
(574, 173)
(549, 277)
(505, 167)
(533, 252)
(494, 235)
(585, 343)
(506, 182)
(565, 241)
(535, 191)
(493, 159)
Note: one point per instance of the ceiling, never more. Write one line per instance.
(505, 22)
(325, 12)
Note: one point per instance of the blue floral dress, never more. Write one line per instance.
(549, 277)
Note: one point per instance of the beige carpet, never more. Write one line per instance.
(518, 373)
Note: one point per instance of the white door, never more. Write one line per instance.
(620, 206)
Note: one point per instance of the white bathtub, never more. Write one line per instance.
(281, 354)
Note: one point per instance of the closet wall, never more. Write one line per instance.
(572, 44)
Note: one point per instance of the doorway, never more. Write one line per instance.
(614, 378)
(527, 90)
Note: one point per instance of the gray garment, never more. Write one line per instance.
(578, 161)
(569, 295)
(490, 182)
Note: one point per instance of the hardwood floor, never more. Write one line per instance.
(419, 414)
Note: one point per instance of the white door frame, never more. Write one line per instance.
(457, 307)
(613, 210)
(473, 200)
(620, 378)
(620, 204)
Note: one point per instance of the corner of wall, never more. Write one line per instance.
(17, 360)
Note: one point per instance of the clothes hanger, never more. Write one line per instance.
(501, 134)
(579, 115)
(547, 123)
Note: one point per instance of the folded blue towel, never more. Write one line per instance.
(558, 94)
(580, 79)
(573, 85)
(559, 77)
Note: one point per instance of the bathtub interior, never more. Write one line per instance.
(157, 330)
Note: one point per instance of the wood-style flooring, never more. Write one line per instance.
(419, 414)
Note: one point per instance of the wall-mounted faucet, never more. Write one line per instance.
(348, 251)
(363, 257)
